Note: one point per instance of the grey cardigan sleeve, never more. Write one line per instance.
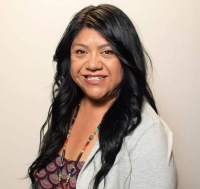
(152, 160)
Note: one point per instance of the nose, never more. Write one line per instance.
(93, 63)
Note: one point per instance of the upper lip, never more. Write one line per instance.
(94, 75)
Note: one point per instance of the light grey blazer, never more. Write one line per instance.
(145, 160)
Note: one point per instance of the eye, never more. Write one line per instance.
(79, 51)
(108, 52)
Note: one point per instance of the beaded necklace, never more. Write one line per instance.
(77, 159)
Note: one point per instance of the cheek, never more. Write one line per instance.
(74, 66)
(73, 71)
(118, 73)
(119, 77)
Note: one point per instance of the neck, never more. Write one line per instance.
(94, 107)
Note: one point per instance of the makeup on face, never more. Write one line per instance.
(95, 68)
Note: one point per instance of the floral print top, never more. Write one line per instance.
(47, 178)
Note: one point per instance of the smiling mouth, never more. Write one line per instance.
(94, 78)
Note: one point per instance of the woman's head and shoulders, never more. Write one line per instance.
(108, 32)
(123, 61)
(100, 58)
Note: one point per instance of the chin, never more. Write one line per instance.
(95, 96)
(99, 97)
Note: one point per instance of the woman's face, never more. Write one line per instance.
(94, 66)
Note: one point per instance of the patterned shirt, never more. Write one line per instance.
(47, 178)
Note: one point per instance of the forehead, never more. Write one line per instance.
(89, 36)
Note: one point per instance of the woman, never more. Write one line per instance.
(101, 92)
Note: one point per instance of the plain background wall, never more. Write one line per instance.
(30, 31)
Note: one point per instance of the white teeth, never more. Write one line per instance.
(94, 78)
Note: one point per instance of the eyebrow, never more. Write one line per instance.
(86, 46)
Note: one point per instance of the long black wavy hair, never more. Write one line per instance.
(125, 113)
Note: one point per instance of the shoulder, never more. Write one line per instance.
(152, 132)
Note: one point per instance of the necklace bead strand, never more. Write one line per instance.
(78, 158)
(63, 155)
